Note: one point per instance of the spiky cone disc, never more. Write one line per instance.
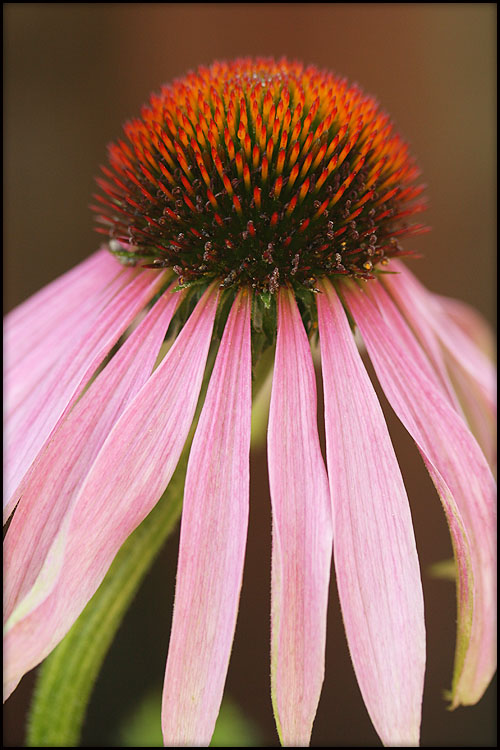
(259, 173)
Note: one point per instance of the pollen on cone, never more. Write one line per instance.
(292, 148)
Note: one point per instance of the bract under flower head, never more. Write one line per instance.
(259, 173)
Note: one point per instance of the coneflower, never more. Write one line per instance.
(254, 204)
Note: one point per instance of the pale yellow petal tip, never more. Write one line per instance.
(465, 695)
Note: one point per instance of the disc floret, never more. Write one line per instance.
(259, 173)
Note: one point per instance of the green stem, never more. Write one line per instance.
(67, 676)
(261, 388)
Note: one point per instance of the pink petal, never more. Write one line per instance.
(126, 480)
(479, 407)
(466, 346)
(472, 323)
(459, 471)
(455, 325)
(442, 326)
(413, 301)
(62, 466)
(52, 354)
(302, 532)
(212, 543)
(375, 555)
(27, 325)
(26, 435)
(37, 335)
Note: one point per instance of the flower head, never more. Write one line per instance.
(259, 174)
(254, 204)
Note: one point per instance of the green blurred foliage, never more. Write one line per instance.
(143, 727)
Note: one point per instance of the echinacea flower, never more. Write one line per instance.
(254, 204)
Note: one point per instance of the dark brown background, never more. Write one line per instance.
(73, 74)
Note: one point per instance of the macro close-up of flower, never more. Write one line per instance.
(252, 223)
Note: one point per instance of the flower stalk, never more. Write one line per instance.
(68, 675)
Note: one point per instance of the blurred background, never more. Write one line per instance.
(73, 73)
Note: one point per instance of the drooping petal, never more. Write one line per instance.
(415, 309)
(26, 327)
(459, 471)
(126, 480)
(458, 328)
(470, 321)
(27, 433)
(62, 466)
(469, 356)
(23, 380)
(302, 532)
(449, 344)
(212, 543)
(375, 555)
(29, 380)
(479, 407)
